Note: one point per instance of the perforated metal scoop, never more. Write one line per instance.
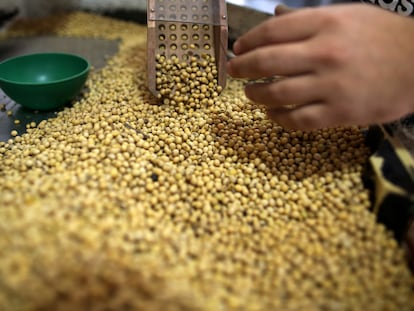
(186, 29)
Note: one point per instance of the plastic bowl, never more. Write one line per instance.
(43, 81)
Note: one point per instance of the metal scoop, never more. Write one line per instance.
(186, 29)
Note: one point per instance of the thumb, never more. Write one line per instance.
(282, 9)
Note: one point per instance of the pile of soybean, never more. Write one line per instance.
(124, 203)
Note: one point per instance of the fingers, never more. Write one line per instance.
(288, 59)
(307, 117)
(301, 102)
(296, 91)
(295, 26)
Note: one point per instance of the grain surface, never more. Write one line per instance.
(123, 203)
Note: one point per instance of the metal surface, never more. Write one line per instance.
(95, 50)
(186, 27)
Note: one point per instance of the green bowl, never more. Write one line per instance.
(43, 81)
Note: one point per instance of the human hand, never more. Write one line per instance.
(343, 65)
